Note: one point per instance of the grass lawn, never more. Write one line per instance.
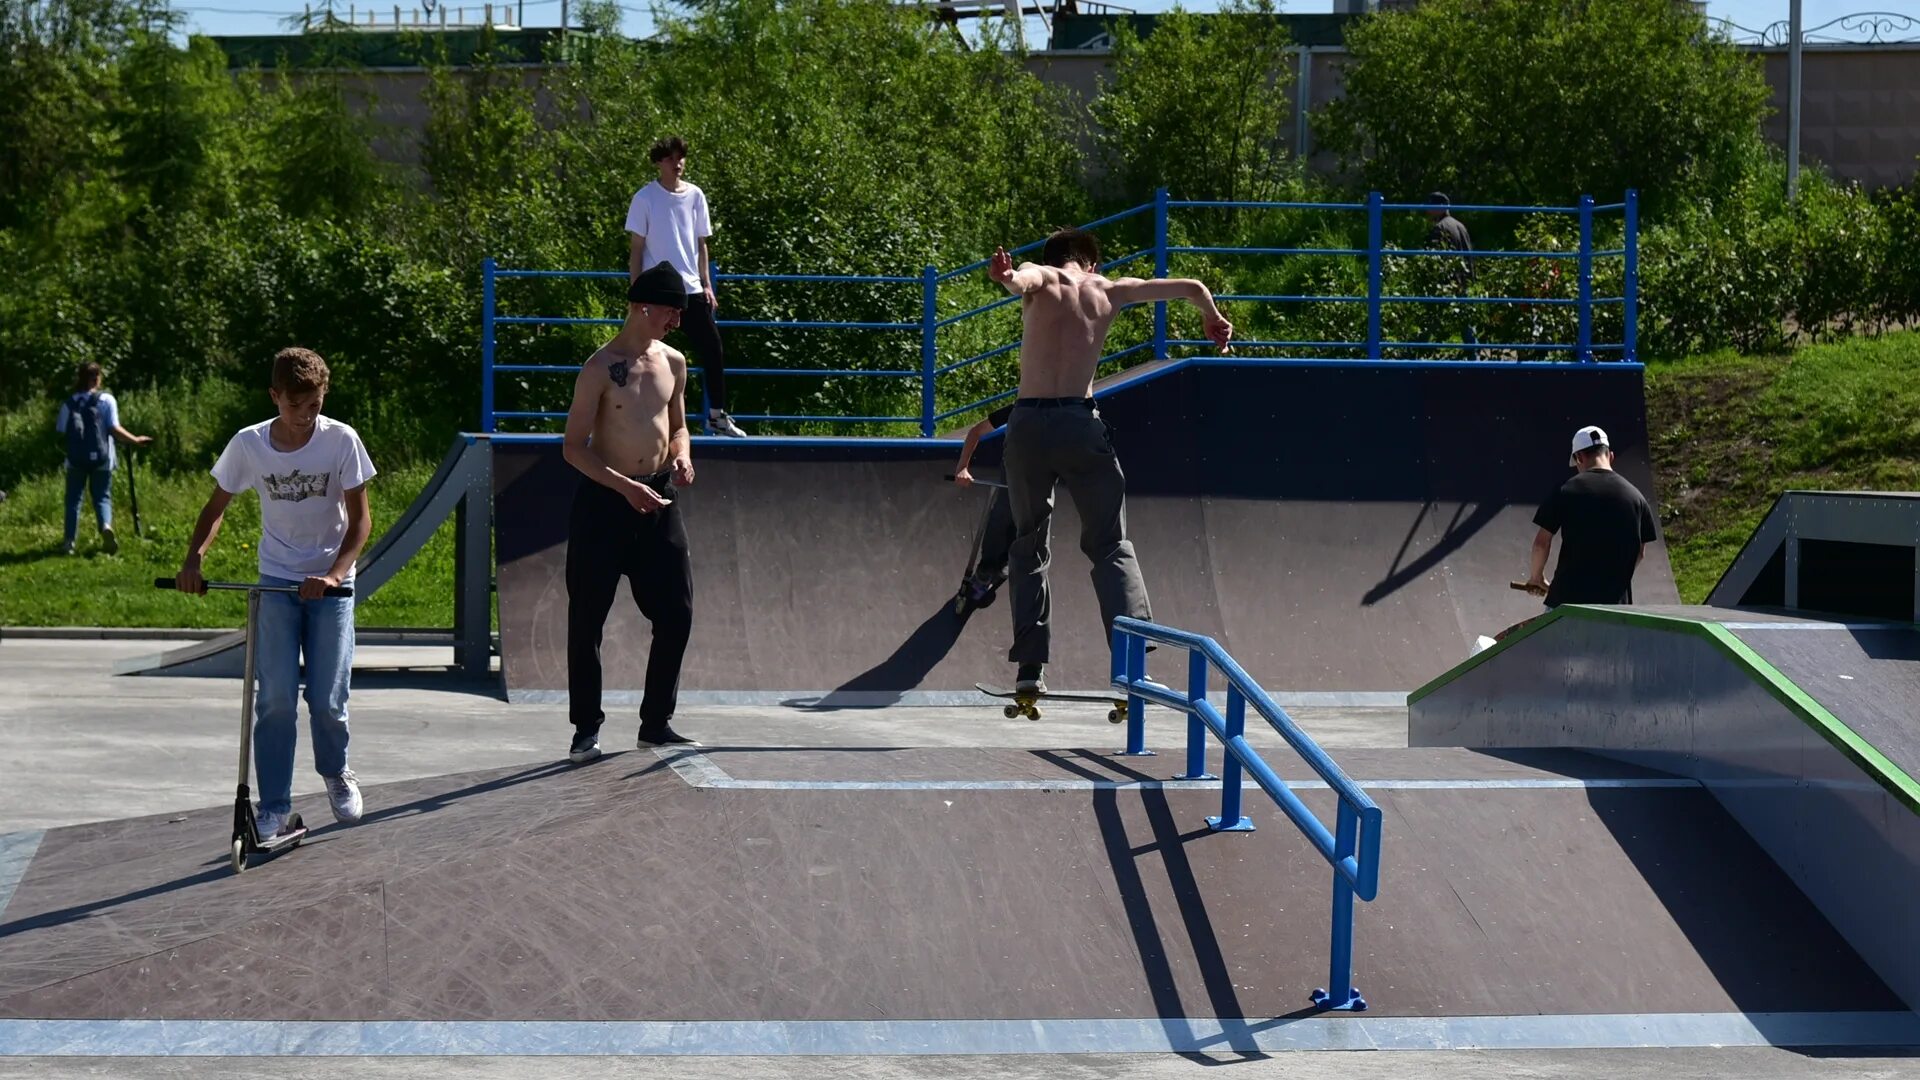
(1731, 432)
(41, 587)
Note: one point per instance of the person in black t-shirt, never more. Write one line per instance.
(981, 583)
(1605, 525)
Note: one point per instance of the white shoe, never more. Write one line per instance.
(343, 792)
(722, 424)
(268, 826)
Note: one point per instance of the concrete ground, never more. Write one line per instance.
(83, 745)
(103, 746)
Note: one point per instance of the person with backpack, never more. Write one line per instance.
(90, 419)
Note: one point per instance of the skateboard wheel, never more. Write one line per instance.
(1010, 711)
(1033, 713)
(1114, 716)
(239, 855)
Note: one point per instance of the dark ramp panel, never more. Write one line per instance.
(1338, 528)
(615, 891)
(1868, 677)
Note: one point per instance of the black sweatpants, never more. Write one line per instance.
(607, 540)
(697, 323)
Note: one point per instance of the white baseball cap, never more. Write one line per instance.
(1586, 439)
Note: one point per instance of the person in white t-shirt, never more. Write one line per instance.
(311, 473)
(667, 221)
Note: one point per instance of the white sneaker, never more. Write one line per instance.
(343, 792)
(722, 424)
(268, 825)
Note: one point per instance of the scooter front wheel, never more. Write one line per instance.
(239, 855)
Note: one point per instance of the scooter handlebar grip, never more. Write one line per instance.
(163, 583)
(340, 590)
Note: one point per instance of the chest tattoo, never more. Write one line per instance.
(617, 371)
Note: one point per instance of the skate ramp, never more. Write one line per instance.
(1339, 528)
(877, 900)
(1801, 729)
(1834, 553)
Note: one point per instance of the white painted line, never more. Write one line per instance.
(701, 771)
(1356, 1031)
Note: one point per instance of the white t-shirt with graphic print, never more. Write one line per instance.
(303, 504)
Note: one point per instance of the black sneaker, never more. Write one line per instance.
(586, 747)
(664, 736)
(1031, 677)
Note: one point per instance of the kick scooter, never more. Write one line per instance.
(247, 841)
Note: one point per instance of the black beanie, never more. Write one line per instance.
(661, 285)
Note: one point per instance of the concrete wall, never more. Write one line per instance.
(1860, 110)
(1861, 105)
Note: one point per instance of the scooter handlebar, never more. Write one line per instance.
(243, 586)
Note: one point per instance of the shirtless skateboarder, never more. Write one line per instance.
(1055, 434)
(627, 433)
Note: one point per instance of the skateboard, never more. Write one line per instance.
(1026, 702)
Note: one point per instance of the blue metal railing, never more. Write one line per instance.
(1372, 347)
(1352, 847)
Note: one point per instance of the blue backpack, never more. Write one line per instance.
(86, 434)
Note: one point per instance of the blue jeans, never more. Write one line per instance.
(323, 630)
(78, 480)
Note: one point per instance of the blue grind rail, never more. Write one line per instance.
(1374, 346)
(1352, 848)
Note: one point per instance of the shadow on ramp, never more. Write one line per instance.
(1456, 537)
(889, 681)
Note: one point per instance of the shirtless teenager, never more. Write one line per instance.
(1055, 434)
(627, 432)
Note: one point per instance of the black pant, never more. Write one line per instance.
(608, 540)
(697, 323)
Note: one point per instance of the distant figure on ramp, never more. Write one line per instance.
(1604, 524)
(627, 434)
(1055, 434)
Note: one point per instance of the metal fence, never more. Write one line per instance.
(1372, 347)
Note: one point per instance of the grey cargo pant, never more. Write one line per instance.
(1049, 441)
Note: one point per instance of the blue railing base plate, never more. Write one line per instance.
(1354, 1002)
(1220, 824)
(1196, 776)
(1135, 753)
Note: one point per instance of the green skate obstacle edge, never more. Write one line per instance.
(1844, 739)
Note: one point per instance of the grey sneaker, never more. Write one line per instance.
(66, 548)
(270, 825)
(343, 793)
(1031, 677)
(721, 424)
(109, 542)
(586, 747)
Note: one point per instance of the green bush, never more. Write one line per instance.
(1539, 101)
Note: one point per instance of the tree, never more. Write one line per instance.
(1538, 101)
(1198, 105)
